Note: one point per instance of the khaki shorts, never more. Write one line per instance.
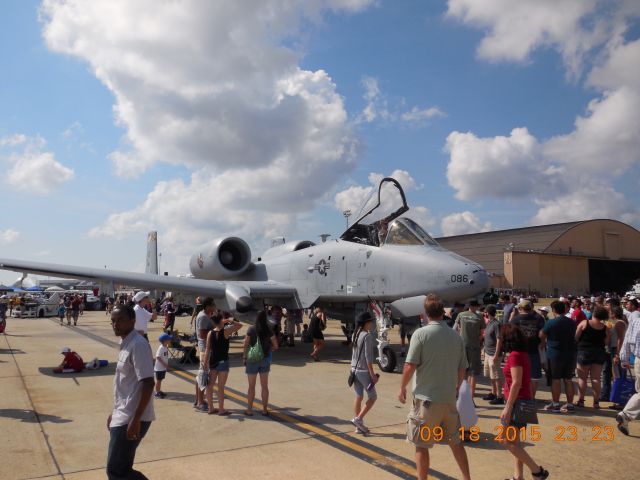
(423, 419)
(491, 369)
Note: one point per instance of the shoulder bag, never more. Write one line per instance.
(255, 352)
(524, 412)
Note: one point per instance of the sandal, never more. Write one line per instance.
(596, 405)
(224, 413)
(580, 403)
(542, 473)
(264, 413)
(248, 413)
(212, 412)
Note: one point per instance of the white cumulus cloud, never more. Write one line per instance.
(514, 29)
(462, 223)
(31, 167)
(378, 108)
(215, 87)
(558, 174)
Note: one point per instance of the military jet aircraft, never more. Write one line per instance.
(383, 257)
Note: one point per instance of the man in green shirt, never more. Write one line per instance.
(437, 358)
(471, 325)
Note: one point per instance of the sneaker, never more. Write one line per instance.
(201, 409)
(568, 408)
(158, 395)
(359, 424)
(623, 423)
(497, 401)
(552, 407)
(489, 397)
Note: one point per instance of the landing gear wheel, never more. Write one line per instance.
(387, 362)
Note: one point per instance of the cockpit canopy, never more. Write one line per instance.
(380, 223)
(404, 231)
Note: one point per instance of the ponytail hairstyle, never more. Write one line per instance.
(354, 342)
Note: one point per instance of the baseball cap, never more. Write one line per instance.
(65, 350)
(164, 337)
(526, 304)
(140, 295)
(544, 309)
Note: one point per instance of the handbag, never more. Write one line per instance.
(465, 406)
(352, 374)
(622, 388)
(255, 352)
(524, 412)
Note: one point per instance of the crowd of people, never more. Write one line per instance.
(514, 345)
(594, 339)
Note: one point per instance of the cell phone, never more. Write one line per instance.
(371, 385)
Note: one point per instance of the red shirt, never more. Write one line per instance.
(74, 361)
(578, 315)
(518, 359)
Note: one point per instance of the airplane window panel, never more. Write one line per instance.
(401, 235)
(424, 236)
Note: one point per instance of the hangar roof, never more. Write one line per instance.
(586, 238)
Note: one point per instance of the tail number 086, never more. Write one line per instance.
(459, 278)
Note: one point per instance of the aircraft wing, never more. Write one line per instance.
(238, 295)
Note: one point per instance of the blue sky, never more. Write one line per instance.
(207, 119)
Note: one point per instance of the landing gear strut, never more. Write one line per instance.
(386, 356)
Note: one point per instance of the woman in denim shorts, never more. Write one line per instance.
(217, 351)
(262, 333)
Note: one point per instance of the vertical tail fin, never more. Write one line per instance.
(152, 253)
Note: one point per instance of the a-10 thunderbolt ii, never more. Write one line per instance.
(382, 258)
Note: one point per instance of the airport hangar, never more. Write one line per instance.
(576, 257)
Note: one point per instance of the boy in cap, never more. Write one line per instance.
(162, 363)
(72, 362)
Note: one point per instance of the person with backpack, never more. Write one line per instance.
(259, 344)
(363, 377)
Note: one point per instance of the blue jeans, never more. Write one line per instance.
(122, 453)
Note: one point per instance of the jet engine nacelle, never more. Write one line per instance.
(221, 259)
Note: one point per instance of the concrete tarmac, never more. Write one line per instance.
(53, 426)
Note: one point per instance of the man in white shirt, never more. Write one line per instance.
(132, 388)
(631, 345)
(143, 316)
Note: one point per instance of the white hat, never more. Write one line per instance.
(562, 299)
(140, 295)
(65, 350)
(544, 309)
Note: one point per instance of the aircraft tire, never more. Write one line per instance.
(388, 361)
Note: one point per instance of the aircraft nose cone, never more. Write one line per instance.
(479, 278)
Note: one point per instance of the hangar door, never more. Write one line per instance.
(612, 275)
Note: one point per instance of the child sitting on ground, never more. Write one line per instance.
(162, 363)
(72, 362)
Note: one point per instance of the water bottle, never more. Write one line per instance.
(371, 385)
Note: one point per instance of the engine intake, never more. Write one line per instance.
(221, 259)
